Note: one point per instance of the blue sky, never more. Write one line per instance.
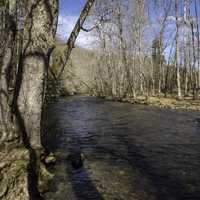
(70, 11)
(72, 7)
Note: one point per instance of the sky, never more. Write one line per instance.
(69, 11)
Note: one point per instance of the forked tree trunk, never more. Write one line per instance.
(22, 113)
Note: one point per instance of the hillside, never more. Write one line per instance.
(77, 75)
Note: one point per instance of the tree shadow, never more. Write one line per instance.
(154, 175)
(165, 185)
(79, 179)
(83, 186)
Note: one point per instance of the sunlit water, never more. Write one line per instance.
(131, 151)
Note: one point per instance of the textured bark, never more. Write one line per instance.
(23, 72)
(40, 29)
(21, 103)
(8, 132)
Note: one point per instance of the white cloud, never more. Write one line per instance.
(66, 25)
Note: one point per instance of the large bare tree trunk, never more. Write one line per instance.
(40, 31)
(21, 111)
(23, 71)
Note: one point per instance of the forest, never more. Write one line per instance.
(145, 52)
(128, 101)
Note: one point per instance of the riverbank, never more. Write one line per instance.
(14, 175)
(162, 102)
(22, 176)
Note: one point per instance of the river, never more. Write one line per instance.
(130, 152)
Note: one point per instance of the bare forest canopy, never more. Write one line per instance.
(145, 47)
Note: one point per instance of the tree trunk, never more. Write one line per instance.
(9, 135)
(21, 111)
(33, 66)
(198, 43)
(177, 53)
(186, 49)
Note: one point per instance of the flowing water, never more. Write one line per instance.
(130, 152)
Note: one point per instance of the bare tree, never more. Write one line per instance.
(177, 51)
(74, 34)
(23, 83)
(140, 73)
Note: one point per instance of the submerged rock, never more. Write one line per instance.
(76, 159)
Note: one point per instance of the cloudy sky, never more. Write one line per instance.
(69, 13)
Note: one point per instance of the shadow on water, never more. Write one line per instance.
(158, 144)
(82, 185)
(165, 186)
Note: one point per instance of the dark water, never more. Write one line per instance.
(131, 152)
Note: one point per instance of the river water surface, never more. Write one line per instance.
(131, 152)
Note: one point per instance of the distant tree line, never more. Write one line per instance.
(147, 48)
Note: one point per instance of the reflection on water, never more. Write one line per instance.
(131, 152)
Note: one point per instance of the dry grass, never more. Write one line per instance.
(162, 102)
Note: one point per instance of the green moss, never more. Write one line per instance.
(14, 176)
